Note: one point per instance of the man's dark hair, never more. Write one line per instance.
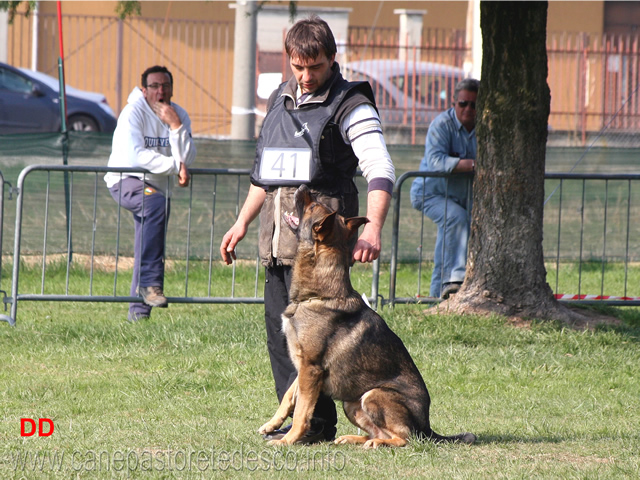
(155, 69)
(308, 37)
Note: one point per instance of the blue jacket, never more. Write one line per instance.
(447, 142)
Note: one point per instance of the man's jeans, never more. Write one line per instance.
(450, 256)
(149, 241)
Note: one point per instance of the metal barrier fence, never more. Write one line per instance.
(591, 242)
(2, 182)
(87, 195)
(589, 235)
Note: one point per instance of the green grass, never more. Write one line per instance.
(545, 401)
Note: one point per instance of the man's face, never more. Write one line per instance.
(465, 107)
(311, 74)
(158, 89)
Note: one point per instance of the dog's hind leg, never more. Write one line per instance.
(287, 405)
(383, 415)
(354, 413)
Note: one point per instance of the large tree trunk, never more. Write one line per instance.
(505, 267)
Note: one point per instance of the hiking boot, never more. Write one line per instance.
(449, 289)
(153, 296)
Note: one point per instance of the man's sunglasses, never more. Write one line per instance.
(467, 103)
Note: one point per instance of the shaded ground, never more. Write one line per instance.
(590, 320)
(579, 318)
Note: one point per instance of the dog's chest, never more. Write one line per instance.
(306, 329)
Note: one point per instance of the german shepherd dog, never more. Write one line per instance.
(343, 348)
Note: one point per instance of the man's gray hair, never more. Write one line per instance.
(468, 84)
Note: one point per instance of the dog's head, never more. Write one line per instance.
(316, 222)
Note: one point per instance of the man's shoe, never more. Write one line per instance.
(449, 289)
(153, 296)
(133, 317)
(315, 435)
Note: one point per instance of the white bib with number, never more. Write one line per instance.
(285, 164)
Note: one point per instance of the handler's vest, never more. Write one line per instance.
(305, 146)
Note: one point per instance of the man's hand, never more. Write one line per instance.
(183, 176)
(167, 114)
(368, 246)
(465, 165)
(250, 210)
(229, 242)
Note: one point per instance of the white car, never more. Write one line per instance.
(407, 91)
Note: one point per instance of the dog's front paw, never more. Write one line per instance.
(268, 427)
(278, 443)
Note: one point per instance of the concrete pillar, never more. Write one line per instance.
(410, 31)
(473, 58)
(35, 45)
(4, 36)
(244, 71)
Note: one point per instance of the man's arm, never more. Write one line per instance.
(182, 146)
(441, 151)
(363, 130)
(369, 243)
(250, 210)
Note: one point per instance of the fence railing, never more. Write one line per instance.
(92, 222)
(591, 240)
(67, 220)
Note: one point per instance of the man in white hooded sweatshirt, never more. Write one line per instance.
(153, 134)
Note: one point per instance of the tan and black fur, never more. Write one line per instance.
(342, 347)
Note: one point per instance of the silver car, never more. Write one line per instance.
(407, 93)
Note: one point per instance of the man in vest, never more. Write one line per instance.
(318, 129)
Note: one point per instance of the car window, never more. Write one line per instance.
(383, 98)
(431, 91)
(13, 82)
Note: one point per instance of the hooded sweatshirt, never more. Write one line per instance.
(141, 140)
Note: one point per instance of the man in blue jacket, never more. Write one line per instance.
(450, 148)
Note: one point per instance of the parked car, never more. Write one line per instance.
(29, 103)
(406, 90)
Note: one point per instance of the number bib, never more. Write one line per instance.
(285, 165)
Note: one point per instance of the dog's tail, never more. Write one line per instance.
(465, 437)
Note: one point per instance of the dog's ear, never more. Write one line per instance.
(301, 199)
(354, 223)
(324, 225)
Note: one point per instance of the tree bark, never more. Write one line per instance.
(505, 267)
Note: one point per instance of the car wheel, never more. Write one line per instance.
(82, 123)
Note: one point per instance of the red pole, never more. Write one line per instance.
(60, 29)
(63, 93)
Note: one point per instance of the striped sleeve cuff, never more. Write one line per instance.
(380, 184)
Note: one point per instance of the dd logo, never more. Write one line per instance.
(28, 427)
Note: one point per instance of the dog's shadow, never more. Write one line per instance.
(420, 444)
(502, 438)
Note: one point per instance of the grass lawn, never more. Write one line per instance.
(182, 396)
